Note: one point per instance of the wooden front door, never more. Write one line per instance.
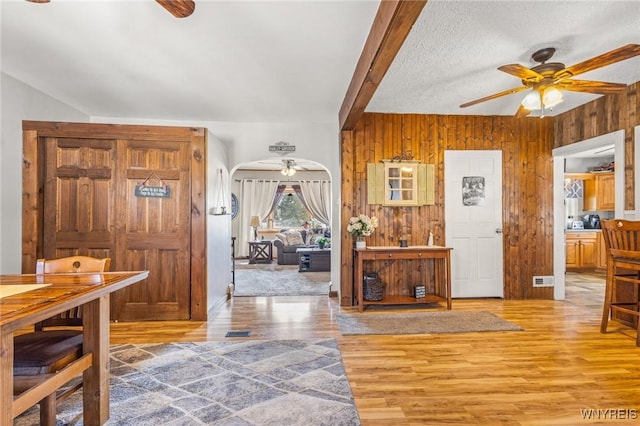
(90, 206)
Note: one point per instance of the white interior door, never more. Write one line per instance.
(473, 222)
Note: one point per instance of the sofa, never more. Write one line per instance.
(286, 244)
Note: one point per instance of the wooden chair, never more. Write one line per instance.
(622, 241)
(41, 353)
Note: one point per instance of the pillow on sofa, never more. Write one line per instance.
(294, 238)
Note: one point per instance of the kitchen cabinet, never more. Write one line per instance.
(581, 250)
(599, 192)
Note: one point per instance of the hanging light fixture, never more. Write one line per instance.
(542, 98)
(288, 169)
(551, 97)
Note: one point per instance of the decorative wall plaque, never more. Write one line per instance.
(282, 148)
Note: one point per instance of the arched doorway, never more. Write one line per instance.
(276, 197)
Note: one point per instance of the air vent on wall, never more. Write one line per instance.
(543, 281)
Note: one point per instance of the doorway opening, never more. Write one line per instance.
(282, 228)
(603, 146)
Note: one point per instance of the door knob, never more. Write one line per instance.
(498, 230)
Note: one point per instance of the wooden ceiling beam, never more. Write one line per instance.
(390, 28)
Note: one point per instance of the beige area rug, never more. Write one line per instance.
(422, 323)
(279, 280)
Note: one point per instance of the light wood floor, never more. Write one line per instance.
(549, 374)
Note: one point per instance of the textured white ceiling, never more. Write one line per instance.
(291, 61)
(452, 54)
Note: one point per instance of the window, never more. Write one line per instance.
(400, 183)
(290, 213)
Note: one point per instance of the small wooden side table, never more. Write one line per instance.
(260, 252)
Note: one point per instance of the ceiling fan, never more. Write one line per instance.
(178, 8)
(547, 79)
(289, 168)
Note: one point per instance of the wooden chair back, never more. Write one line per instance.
(72, 264)
(622, 240)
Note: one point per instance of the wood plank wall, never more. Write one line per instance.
(605, 115)
(526, 146)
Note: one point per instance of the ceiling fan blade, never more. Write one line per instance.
(522, 112)
(617, 55)
(589, 86)
(521, 72)
(178, 8)
(494, 96)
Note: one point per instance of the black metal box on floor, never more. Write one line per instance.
(419, 291)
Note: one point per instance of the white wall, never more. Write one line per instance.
(218, 226)
(20, 102)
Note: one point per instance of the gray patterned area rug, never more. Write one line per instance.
(279, 280)
(239, 383)
(422, 323)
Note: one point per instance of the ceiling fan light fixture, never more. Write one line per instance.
(288, 172)
(538, 99)
(532, 101)
(546, 78)
(551, 97)
(288, 169)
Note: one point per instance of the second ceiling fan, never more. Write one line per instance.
(547, 79)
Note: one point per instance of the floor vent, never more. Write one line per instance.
(242, 333)
(543, 281)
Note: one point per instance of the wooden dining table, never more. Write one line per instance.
(26, 299)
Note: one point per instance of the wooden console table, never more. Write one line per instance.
(442, 262)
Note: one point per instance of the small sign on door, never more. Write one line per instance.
(153, 191)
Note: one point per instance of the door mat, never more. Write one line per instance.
(423, 323)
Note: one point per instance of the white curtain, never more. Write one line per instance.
(256, 199)
(316, 196)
